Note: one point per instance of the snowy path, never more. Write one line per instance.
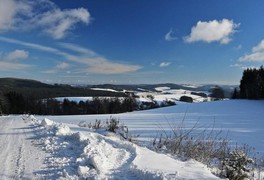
(19, 159)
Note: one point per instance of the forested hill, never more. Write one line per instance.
(11, 83)
(228, 89)
(41, 90)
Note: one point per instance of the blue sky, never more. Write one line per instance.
(131, 41)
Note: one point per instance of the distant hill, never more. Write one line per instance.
(228, 89)
(42, 90)
(38, 89)
(10, 83)
(137, 87)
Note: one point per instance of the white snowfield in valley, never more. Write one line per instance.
(44, 149)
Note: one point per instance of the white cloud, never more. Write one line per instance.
(42, 15)
(257, 54)
(7, 66)
(88, 59)
(107, 67)
(16, 55)
(78, 49)
(9, 12)
(57, 68)
(58, 23)
(169, 36)
(63, 65)
(8, 62)
(36, 46)
(164, 64)
(98, 64)
(212, 31)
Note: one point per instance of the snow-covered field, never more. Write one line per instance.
(39, 148)
(241, 120)
(163, 94)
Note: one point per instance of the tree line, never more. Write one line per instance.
(251, 84)
(17, 103)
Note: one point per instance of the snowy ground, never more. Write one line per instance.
(241, 120)
(34, 149)
(165, 93)
(19, 157)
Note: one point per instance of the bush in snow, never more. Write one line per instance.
(203, 146)
(112, 124)
(236, 166)
(186, 99)
(96, 125)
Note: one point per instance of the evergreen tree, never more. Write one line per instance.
(252, 84)
(217, 93)
(235, 94)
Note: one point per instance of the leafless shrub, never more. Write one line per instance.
(112, 124)
(202, 146)
(124, 133)
(96, 125)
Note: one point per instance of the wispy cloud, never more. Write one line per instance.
(10, 12)
(169, 36)
(7, 66)
(63, 65)
(17, 55)
(49, 71)
(8, 61)
(104, 66)
(98, 64)
(256, 55)
(212, 31)
(89, 60)
(36, 46)
(57, 23)
(165, 64)
(43, 15)
(78, 49)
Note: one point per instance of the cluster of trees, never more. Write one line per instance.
(217, 93)
(251, 84)
(16, 103)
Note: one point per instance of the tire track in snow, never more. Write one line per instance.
(20, 163)
(18, 158)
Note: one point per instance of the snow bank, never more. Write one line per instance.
(46, 122)
(89, 155)
(62, 129)
(162, 166)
